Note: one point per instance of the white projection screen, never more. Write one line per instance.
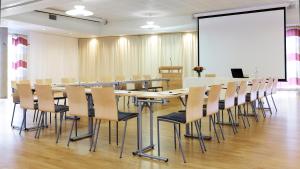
(252, 40)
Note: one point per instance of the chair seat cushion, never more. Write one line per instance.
(222, 104)
(176, 117)
(248, 97)
(61, 108)
(126, 115)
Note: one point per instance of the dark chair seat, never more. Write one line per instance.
(222, 104)
(176, 117)
(122, 116)
(248, 97)
(61, 108)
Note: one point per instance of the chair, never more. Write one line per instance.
(228, 103)
(26, 102)
(78, 107)
(240, 100)
(268, 92)
(211, 108)
(150, 84)
(46, 104)
(252, 96)
(274, 90)
(120, 78)
(261, 95)
(210, 75)
(68, 81)
(193, 114)
(137, 85)
(106, 109)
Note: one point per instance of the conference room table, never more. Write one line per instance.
(142, 99)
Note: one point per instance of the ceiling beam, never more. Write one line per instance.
(29, 7)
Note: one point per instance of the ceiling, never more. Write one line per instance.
(123, 16)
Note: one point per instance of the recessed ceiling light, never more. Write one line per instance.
(150, 25)
(79, 10)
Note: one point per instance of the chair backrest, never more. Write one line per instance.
(43, 81)
(210, 75)
(15, 94)
(262, 88)
(26, 96)
(120, 78)
(194, 108)
(230, 94)
(67, 81)
(274, 87)
(45, 97)
(242, 91)
(254, 89)
(147, 77)
(269, 85)
(137, 85)
(105, 103)
(77, 100)
(213, 99)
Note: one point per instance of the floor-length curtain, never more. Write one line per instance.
(293, 56)
(19, 54)
(138, 54)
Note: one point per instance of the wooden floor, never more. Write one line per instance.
(273, 143)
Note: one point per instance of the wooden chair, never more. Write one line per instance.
(274, 90)
(26, 102)
(261, 95)
(46, 104)
(78, 107)
(228, 103)
(252, 96)
(268, 92)
(137, 85)
(150, 84)
(240, 101)
(120, 78)
(193, 114)
(211, 108)
(106, 109)
(68, 81)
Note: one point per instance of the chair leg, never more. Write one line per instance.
(70, 135)
(37, 116)
(273, 102)
(60, 124)
(246, 115)
(179, 142)
(34, 116)
(199, 137)
(42, 124)
(220, 126)
(175, 144)
(109, 132)
(38, 125)
(93, 134)
(269, 105)
(262, 107)
(96, 141)
(242, 115)
(123, 139)
(117, 133)
(23, 121)
(55, 122)
(214, 126)
(231, 120)
(254, 111)
(158, 138)
(13, 115)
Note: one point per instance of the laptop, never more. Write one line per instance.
(237, 73)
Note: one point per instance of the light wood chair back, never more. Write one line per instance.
(105, 103)
(43, 81)
(254, 89)
(194, 108)
(120, 78)
(15, 94)
(210, 75)
(274, 87)
(45, 97)
(269, 85)
(230, 94)
(262, 88)
(137, 85)
(213, 99)
(67, 81)
(26, 96)
(242, 91)
(77, 101)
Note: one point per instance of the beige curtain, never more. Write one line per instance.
(141, 54)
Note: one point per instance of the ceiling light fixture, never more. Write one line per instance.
(150, 25)
(79, 10)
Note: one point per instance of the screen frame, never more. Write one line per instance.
(247, 12)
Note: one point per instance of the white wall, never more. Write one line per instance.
(52, 56)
